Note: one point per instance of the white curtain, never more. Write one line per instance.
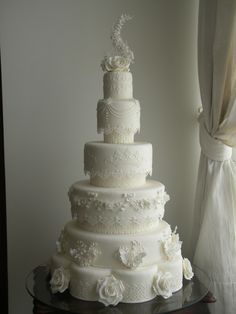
(215, 204)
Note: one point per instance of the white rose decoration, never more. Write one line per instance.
(163, 284)
(116, 63)
(187, 269)
(110, 290)
(60, 280)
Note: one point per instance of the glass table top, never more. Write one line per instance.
(37, 285)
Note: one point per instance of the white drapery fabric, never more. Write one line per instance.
(215, 203)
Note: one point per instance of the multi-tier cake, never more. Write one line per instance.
(117, 248)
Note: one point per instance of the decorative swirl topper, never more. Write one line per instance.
(120, 62)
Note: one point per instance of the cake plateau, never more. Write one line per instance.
(37, 284)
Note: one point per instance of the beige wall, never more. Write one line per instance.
(51, 51)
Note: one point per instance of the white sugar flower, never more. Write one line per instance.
(128, 196)
(163, 284)
(60, 280)
(85, 252)
(172, 246)
(187, 269)
(131, 256)
(116, 63)
(166, 197)
(92, 195)
(110, 290)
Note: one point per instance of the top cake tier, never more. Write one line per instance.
(118, 85)
(118, 114)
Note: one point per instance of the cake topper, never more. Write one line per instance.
(123, 54)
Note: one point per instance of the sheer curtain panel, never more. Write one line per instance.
(215, 203)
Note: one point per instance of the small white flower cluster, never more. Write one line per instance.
(85, 253)
(92, 195)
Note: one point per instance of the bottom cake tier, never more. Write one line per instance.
(129, 268)
(111, 286)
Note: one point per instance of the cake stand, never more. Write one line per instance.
(37, 285)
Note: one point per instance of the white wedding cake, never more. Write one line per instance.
(118, 248)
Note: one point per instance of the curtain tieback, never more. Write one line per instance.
(212, 148)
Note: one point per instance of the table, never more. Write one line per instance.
(185, 301)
